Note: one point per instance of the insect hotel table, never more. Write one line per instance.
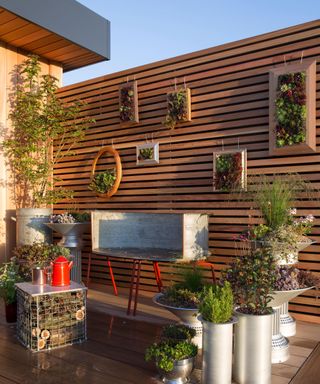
(51, 317)
(154, 237)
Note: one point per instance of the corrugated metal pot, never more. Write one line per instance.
(31, 226)
(217, 352)
(181, 372)
(252, 349)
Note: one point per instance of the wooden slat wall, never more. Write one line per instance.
(229, 86)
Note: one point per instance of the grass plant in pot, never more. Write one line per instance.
(9, 276)
(40, 120)
(252, 281)
(216, 310)
(183, 299)
(174, 354)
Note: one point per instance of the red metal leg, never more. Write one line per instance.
(131, 286)
(89, 267)
(157, 274)
(137, 287)
(112, 277)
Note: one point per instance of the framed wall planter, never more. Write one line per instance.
(230, 170)
(106, 183)
(148, 154)
(128, 103)
(178, 107)
(292, 109)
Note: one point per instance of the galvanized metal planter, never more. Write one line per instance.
(252, 349)
(217, 352)
(31, 225)
(181, 372)
(188, 316)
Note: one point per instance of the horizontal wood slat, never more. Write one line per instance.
(229, 90)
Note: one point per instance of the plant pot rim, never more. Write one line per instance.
(76, 223)
(233, 320)
(160, 294)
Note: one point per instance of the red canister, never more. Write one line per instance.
(61, 271)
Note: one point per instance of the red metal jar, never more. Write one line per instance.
(61, 271)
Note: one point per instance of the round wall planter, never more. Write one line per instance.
(31, 226)
(181, 372)
(188, 316)
(252, 349)
(217, 352)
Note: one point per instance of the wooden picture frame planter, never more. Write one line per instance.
(230, 170)
(128, 103)
(292, 109)
(147, 154)
(178, 107)
(117, 171)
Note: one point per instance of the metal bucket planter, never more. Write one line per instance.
(72, 239)
(252, 349)
(217, 352)
(181, 372)
(187, 316)
(31, 226)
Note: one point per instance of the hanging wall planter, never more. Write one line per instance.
(106, 183)
(292, 98)
(230, 170)
(179, 107)
(148, 154)
(128, 103)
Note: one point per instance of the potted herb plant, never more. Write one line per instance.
(183, 299)
(174, 356)
(216, 310)
(9, 276)
(252, 281)
(179, 107)
(39, 119)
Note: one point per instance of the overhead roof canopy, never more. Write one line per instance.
(61, 30)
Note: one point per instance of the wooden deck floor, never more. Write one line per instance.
(114, 352)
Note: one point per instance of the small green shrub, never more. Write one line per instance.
(177, 332)
(165, 353)
(9, 276)
(216, 304)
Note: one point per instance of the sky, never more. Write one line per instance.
(144, 31)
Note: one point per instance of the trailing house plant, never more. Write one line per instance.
(229, 170)
(9, 276)
(252, 280)
(178, 107)
(36, 255)
(103, 182)
(45, 130)
(174, 357)
(291, 109)
(216, 310)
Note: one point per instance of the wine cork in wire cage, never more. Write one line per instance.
(118, 169)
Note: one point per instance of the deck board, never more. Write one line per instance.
(114, 352)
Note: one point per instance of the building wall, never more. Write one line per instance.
(229, 86)
(9, 58)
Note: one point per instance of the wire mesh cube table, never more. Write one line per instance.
(51, 317)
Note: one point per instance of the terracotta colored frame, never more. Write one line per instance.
(244, 165)
(134, 85)
(309, 67)
(118, 167)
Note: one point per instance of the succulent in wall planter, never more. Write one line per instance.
(128, 103)
(230, 170)
(179, 107)
(292, 108)
(148, 154)
(103, 182)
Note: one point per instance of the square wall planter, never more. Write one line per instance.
(292, 109)
(148, 154)
(128, 103)
(178, 107)
(230, 170)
